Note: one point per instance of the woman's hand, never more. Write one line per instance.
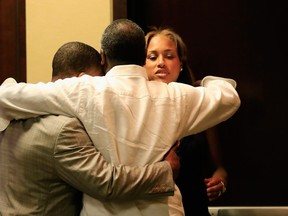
(215, 188)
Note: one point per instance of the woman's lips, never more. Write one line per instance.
(161, 73)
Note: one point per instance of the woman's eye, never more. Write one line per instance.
(152, 58)
(169, 56)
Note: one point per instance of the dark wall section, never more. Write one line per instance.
(242, 39)
(12, 40)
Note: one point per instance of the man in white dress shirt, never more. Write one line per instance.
(47, 162)
(123, 108)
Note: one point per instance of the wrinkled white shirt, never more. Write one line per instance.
(132, 121)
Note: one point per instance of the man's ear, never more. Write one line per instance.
(81, 74)
(103, 58)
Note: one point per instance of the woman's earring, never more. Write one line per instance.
(181, 69)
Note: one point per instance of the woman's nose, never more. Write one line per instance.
(161, 62)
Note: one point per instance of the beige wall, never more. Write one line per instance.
(51, 23)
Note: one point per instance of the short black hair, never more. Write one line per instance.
(123, 42)
(75, 57)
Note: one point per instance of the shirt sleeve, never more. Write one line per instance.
(215, 101)
(60, 97)
(80, 164)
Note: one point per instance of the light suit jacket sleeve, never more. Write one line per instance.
(78, 162)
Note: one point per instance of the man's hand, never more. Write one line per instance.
(173, 159)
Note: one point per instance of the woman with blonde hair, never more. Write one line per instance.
(167, 61)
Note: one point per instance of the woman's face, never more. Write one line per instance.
(162, 60)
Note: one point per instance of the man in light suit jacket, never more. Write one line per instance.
(47, 162)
